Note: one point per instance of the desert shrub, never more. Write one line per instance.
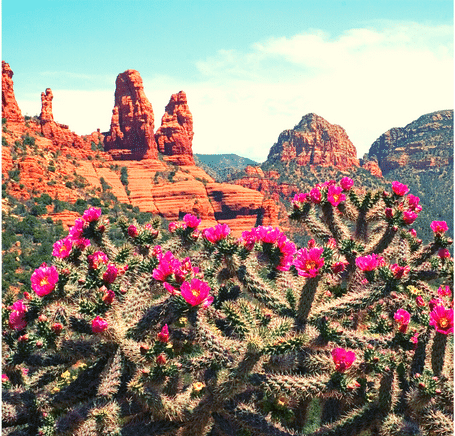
(207, 334)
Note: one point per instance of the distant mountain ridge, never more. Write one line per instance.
(219, 166)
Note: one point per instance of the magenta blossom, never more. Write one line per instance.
(444, 253)
(132, 231)
(95, 259)
(62, 248)
(442, 319)
(196, 292)
(44, 279)
(335, 195)
(402, 317)
(420, 301)
(370, 262)
(346, 183)
(439, 227)
(299, 199)
(315, 196)
(444, 291)
(338, 267)
(343, 359)
(99, 325)
(17, 316)
(168, 265)
(435, 302)
(400, 271)
(173, 226)
(217, 233)
(77, 230)
(110, 274)
(191, 221)
(413, 232)
(163, 335)
(413, 201)
(399, 188)
(409, 216)
(91, 214)
(309, 262)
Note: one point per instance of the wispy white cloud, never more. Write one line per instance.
(367, 80)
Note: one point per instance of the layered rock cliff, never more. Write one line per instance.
(424, 143)
(131, 135)
(314, 141)
(175, 136)
(10, 108)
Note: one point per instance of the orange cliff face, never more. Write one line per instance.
(175, 136)
(131, 134)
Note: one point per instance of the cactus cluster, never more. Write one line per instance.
(194, 332)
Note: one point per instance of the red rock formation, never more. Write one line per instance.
(10, 108)
(59, 134)
(373, 167)
(174, 137)
(270, 217)
(314, 141)
(131, 134)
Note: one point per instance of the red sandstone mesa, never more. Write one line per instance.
(10, 108)
(131, 134)
(174, 137)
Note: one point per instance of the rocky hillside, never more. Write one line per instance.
(421, 156)
(220, 166)
(154, 172)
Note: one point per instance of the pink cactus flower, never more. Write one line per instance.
(444, 291)
(370, 262)
(191, 221)
(299, 199)
(81, 243)
(91, 214)
(99, 325)
(389, 212)
(435, 302)
(157, 251)
(315, 196)
(409, 216)
(413, 232)
(44, 280)
(217, 233)
(442, 319)
(402, 317)
(17, 316)
(173, 226)
(335, 195)
(168, 265)
(62, 248)
(400, 271)
(196, 292)
(108, 296)
(77, 230)
(309, 262)
(399, 188)
(161, 359)
(5, 378)
(110, 274)
(420, 301)
(163, 335)
(343, 359)
(444, 253)
(171, 289)
(97, 258)
(338, 267)
(413, 201)
(439, 227)
(132, 231)
(346, 183)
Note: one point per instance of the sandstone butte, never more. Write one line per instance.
(162, 176)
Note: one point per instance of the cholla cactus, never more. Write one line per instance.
(205, 334)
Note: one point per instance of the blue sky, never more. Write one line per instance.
(250, 68)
